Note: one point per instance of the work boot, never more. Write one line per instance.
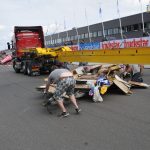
(78, 110)
(64, 114)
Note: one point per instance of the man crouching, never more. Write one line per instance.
(65, 83)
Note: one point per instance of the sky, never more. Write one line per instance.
(59, 15)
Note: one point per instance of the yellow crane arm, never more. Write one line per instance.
(53, 52)
(114, 56)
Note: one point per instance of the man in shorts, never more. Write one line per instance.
(65, 82)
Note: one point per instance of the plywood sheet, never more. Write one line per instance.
(122, 86)
(123, 81)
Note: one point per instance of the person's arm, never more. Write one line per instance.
(128, 68)
(48, 84)
(47, 87)
(141, 69)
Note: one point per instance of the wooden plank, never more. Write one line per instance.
(123, 81)
(91, 77)
(52, 88)
(122, 86)
(42, 88)
(139, 84)
(82, 86)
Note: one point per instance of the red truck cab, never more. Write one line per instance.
(24, 39)
(27, 38)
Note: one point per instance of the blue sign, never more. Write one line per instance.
(88, 46)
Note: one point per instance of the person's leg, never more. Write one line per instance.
(70, 93)
(63, 109)
(58, 94)
(61, 105)
(73, 100)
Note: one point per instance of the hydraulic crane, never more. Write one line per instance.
(114, 56)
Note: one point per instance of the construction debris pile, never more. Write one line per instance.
(96, 80)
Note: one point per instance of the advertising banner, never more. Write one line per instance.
(112, 44)
(74, 47)
(126, 43)
(137, 42)
(89, 46)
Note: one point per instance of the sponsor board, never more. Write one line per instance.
(74, 47)
(114, 44)
(126, 43)
(89, 46)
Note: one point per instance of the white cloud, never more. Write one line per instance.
(2, 27)
(48, 12)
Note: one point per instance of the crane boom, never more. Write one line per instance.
(115, 56)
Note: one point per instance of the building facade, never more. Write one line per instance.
(132, 27)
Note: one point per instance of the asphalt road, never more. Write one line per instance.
(119, 123)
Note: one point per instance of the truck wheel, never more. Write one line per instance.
(24, 68)
(29, 70)
(15, 68)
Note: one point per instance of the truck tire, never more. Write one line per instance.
(16, 69)
(24, 68)
(29, 70)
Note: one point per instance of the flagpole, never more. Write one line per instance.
(47, 31)
(76, 30)
(103, 28)
(88, 25)
(118, 11)
(51, 39)
(58, 37)
(57, 33)
(47, 35)
(142, 16)
(66, 30)
(56, 30)
(77, 35)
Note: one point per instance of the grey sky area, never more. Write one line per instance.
(51, 14)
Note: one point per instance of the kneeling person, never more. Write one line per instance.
(136, 72)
